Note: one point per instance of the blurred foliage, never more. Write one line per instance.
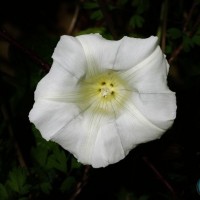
(32, 168)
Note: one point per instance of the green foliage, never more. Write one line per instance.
(94, 8)
(17, 181)
(3, 192)
(100, 30)
(136, 21)
(68, 184)
(174, 33)
(97, 15)
(91, 5)
(187, 43)
(45, 187)
(57, 160)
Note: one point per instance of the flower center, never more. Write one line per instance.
(106, 89)
(104, 93)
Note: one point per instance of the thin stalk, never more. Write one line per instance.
(32, 55)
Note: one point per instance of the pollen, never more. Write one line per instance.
(104, 93)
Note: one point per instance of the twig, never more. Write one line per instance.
(175, 53)
(74, 20)
(20, 157)
(178, 50)
(109, 21)
(164, 24)
(45, 66)
(189, 16)
(81, 183)
(196, 24)
(160, 177)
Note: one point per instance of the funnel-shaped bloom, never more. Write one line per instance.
(101, 98)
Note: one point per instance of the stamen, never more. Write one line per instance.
(105, 90)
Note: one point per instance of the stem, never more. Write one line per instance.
(160, 177)
(74, 20)
(164, 24)
(34, 57)
(80, 185)
(19, 154)
(190, 33)
(189, 17)
(175, 53)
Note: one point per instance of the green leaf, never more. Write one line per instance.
(75, 164)
(100, 30)
(196, 39)
(68, 184)
(17, 181)
(136, 21)
(3, 193)
(187, 43)
(168, 49)
(90, 5)
(40, 155)
(46, 187)
(174, 33)
(97, 15)
(57, 160)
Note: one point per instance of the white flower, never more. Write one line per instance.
(101, 98)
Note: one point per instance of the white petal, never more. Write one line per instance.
(100, 53)
(56, 84)
(70, 55)
(133, 51)
(158, 108)
(71, 136)
(118, 55)
(50, 117)
(133, 132)
(79, 136)
(108, 148)
(149, 76)
(91, 143)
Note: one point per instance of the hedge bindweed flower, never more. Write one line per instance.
(102, 98)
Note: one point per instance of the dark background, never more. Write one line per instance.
(31, 168)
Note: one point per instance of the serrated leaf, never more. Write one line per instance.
(57, 160)
(17, 181)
